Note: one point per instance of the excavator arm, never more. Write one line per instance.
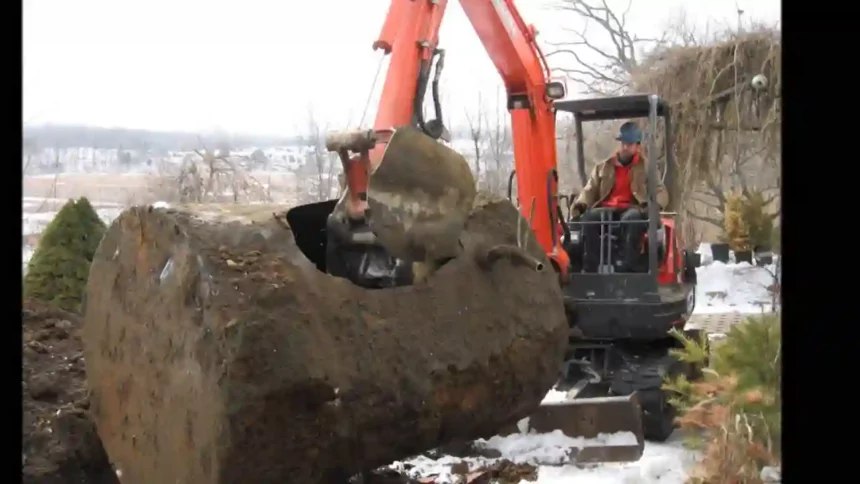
(410, 35)
(512, 47)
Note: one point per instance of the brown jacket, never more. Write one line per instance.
(602, 179)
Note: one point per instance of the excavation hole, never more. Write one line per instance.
(308, 224)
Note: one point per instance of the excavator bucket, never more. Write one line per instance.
(419, 194)
(589, 418)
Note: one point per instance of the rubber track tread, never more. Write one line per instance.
(645, 375)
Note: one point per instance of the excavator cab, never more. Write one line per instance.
(611, 300)
(621, 320)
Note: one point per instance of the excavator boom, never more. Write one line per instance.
(512, 47)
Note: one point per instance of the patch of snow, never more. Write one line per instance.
(665, 463)
(94, 203)
(161, 204)
(523, 425)
(716, 336)
(551, 448)
(26, 255)
(771, 474)
(35, 223)
(707, 256)
(109, 214)
(733, 287)
(554, 396)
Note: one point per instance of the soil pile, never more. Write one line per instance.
(60, 444)
(218, 353)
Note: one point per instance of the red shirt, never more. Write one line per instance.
(621, 195)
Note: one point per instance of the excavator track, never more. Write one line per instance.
(633, 370)
(644, 375)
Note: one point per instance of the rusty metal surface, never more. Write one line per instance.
(717, 322)
(589, 417)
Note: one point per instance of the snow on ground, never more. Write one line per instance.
(36, 201)
(665, 463)
(660, 463)
(34, 223)
(732, 287)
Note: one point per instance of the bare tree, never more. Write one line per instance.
(324, 164)
(603, 50)
(726, 134)
(607, 58)
(476, 134)
(751, 167)
(212, 177)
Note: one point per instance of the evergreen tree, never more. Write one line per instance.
(58, 271)
(736, 408)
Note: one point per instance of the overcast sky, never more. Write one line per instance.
(258, 66)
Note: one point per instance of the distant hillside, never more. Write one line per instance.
(60, 136)
(68, 136)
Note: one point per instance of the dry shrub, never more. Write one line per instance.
(737, 230)
(713, 101)
(734, 413)
(709, 89)
(748, 226)
(204, 178)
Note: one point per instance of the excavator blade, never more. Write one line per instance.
(588, 418)
(419, 197)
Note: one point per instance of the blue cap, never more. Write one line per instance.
(629, 133)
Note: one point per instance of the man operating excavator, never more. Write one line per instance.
(618, 187)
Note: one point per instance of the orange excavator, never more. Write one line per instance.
(407, 196)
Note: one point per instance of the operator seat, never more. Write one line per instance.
(573, 244)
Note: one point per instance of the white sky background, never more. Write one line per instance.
(257, 66)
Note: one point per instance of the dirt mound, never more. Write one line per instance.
(60, 444)
(218, 353)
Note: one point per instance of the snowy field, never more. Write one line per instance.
(722, 288)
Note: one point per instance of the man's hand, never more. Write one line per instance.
(643, 207)
(577, 210)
